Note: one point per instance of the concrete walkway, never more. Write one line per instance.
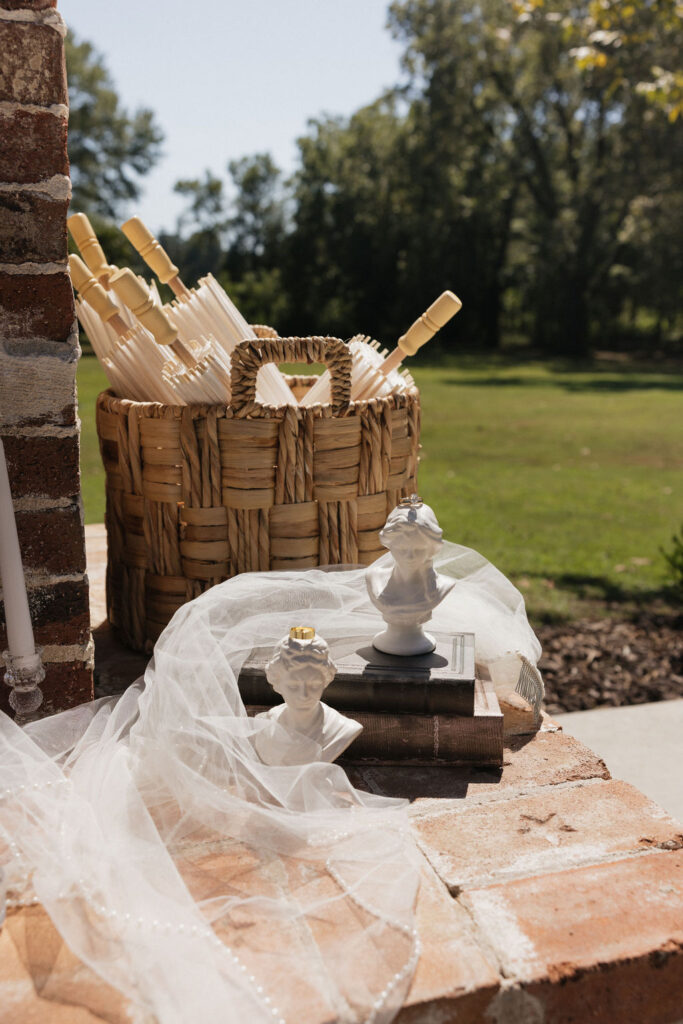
(642, 744)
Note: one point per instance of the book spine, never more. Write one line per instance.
(427, 739)
(424, 739)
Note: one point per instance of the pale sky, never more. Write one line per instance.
(227, 79)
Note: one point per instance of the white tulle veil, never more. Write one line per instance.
(204, 884)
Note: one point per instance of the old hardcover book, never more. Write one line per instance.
(399, 738)
(440, 683)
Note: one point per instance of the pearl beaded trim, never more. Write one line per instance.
(197, 931)
(208, 933)
(168, 927)
(27, 901)
(416, 947)
(15, 790)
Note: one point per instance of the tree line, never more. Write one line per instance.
(530, 159)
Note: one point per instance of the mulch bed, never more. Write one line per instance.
(611, 663)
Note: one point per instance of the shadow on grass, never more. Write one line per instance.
(605, 589)
(596, 385)
(601, 592)
(604, 372)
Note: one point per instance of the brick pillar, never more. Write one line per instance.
(39, 346)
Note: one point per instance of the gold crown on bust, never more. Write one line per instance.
(414, 501)
(302, 633)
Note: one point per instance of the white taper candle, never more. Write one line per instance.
(17, 615)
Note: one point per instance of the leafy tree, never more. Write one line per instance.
(639, 44)
(460, 147)
(255, 232)
(110, 150)
(206, 203)
(256, 225)
(651, 259)
(574, 138)
(201, 251)
(349, 240)
(531, 160)
(236, 234)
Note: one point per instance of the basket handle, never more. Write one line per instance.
(248, 357)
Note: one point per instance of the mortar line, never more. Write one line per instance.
(614, 857)
(49, 18)
(56, 188)
(60, 110)
(457, 805)
(31, 269)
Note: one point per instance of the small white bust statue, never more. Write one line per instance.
(407, 592)
(300, 671)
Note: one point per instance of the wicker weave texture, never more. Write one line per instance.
(197, 494)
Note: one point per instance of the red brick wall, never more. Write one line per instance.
(39, 346)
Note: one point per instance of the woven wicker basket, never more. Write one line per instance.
(196, 494)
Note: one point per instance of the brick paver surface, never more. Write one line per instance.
(550, 894)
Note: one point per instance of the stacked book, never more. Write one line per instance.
(429, 709)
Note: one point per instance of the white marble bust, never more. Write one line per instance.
(407, 592)
(300, 671)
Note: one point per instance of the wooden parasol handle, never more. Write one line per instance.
(154, 255)
(431, 321)
(424, 328)
(248, 357)
(131, 290)
(90, 249)
(92, 292)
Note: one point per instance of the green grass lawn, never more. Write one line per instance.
(90, 380)
(568, 480)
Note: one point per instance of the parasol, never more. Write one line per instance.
(206, 309)
(127, 352)
(196, 370)
(375, 372)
